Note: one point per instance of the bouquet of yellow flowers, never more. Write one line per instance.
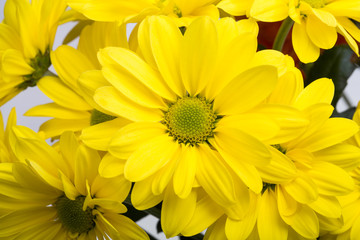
(214, 116)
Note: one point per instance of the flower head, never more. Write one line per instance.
(59, 195)
(73, 108)
(317, 23)
(31, 26)
(306, 203)
(178, 97)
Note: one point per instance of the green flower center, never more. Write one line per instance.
(72, 216)
(40, 64)
(99, 117)
(190, 120)
(316, 3)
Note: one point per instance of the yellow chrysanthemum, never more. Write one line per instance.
(73, 108)
(350, 203)
(189, 96)
(317, 22)
(134, 11)
(307, 203)
(26, 37)
(60, 195)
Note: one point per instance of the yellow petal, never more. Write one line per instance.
(246, 90)
(343, 155)
(241, 229)
(159, 40)
(63, 95)
(350, 41)
(319, 91)
(14, 63)
(269, 11)
(176, 212)
(132, 136)
(150, 157)
(322, 35)
(216, 231)
(205, 214)
(333, 131)
(86, 167)
(125, 227)
(129, 74)
(268, 213)
(235, 145)
(9, 38)
(304, 48)
(234, 7)
(328, 206)
(88, 82)
(291, 122)
(199, 57)
(142, 196)
(246, 44)
(302, 189)
(111, 166)
(214, 177)
(280, 169)
(330, 179)
(30, 146)
(99, 135)
(304, 222)
(286, 204)
(355, 230)
(17, 221)
(118, 104)
(109, 11)
(69, 189)
(56, 111)
(162, 178)
(115, 188)
(184, 175)
(69, 63)
(258, 125)
(325, 17)
(350, 27)
(55, 127)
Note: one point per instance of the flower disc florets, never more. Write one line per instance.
(190, 120)
(72, 216)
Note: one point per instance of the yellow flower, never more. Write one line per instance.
(307, 203)
(73, 108)
(179, 96)
(351, 202)
(134, 11)
(317, 22)
(60, 195)
(27, 35)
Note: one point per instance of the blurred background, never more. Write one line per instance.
(33, 96)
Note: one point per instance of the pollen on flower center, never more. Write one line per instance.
(190, 120)
(72, 216)
(315, 3)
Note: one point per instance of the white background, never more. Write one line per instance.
(33, 97)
